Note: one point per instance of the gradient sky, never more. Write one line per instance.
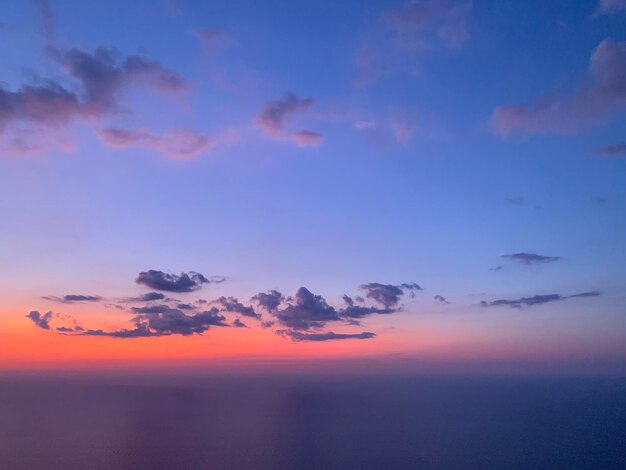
(474, 148)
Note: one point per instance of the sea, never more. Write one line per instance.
(300, 421)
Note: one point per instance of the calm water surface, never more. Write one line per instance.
(312, 423)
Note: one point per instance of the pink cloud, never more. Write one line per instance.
(179, 143)
(306, 138)
(559, 114)
(274, 116)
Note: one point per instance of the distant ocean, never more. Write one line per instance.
(375, 422)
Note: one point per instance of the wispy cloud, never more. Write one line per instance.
(615, 150)
(606, 7)
(555, 113)
(73, 298)
(409, 30)
(328, 336)
(176, 143)
(531, 258)
(536, 300)
(274, 117)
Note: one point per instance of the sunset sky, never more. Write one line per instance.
(424, 185)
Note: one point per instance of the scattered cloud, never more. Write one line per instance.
(232, 305)
(274, 116)
(306, 311)
(72, 298)
(387, 294)
(531, 258)
(176, 143)
(560, 114)
(268, 300)
(165, 322)
(441, 299)
(100, 79)
(148, 297)
(328, 336)
(42, 321)
(183, 282)
(536, 300)
(239, 324)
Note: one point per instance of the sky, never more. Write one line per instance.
(424, 185)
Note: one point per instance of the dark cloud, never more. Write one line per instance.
(232, 305)
(71, 298)
(304, 312)
(268, 300)
(42, 321)
(165, 322)
(441, 299)
(183, 282)
(496, 268)
(531, 258)
(585, 294)
(594, 103)
(152, 309)
(359, 311)
(387, 294)
(327, 336)
(307, 311)
(536, 300)
(149, 297)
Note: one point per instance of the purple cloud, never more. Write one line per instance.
(558, 114)
(536, 300)
(42, 321)
(306, 138)
(387, 294)
(327, 336)
(274, 116)
(71, 298)
(178, 143)
(531, 258)
(183, 282)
